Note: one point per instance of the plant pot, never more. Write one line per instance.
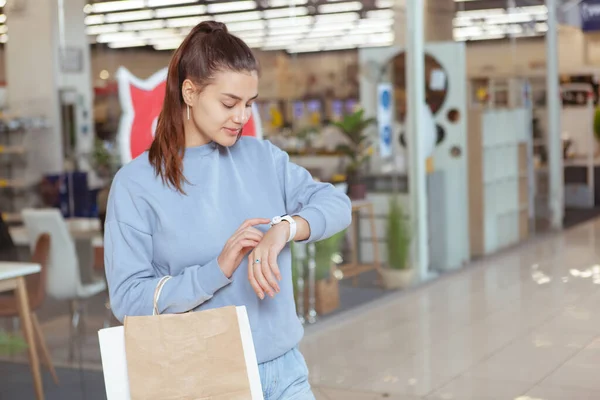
(357, 191)
(327, 296)
(397, 278)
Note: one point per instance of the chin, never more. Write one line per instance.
(226, 141)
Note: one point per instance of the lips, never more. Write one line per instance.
(232, 131)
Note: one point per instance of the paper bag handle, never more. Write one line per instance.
(157, 292)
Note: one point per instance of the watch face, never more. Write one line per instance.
(276, 220)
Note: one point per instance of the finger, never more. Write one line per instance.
(248, 233)
(253, 221)
(266, 270)
(247, 243)
(260, 278)
(255, 286)
(273, 264)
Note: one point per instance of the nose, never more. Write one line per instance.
(241, 117)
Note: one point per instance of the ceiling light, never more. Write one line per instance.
(335, 18)
(3, 28)
(133, 43)
(288, 30)
(286, 22)
(143, 25)
(185, 22)
(245, 26)
(98, 29)
(166, 44)
(110, 6)
(94, 19)
(384, 3)
(128, 16)
(285, 12)
(380, 14)
(161, 3)
(235, 17)
(375, 22)
(158, 33)
(243, 5)
(286, 3)
(251, 35)
(180, 11)
(340, 7)
(116, 37)
(2, 18)
(326, 26)
(4, 38)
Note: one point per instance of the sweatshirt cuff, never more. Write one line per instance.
(213, 278)
(316, 222)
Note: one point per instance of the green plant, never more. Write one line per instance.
(359, 148)
(398, 236)
(597, 124)
(325, 252)
(11, 343)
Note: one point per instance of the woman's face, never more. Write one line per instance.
(219, 112)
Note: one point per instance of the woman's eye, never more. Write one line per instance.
(228, 106)
(248, 105)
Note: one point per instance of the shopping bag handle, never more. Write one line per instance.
(157, 291)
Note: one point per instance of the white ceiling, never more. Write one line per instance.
(292, 25)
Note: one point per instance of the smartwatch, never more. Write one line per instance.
(278, 219)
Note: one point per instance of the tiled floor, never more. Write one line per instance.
(522, 325)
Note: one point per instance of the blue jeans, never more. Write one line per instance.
(286, 378)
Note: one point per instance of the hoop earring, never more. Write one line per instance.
(188, 111)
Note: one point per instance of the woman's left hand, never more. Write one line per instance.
(263, 271)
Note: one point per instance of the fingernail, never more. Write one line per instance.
(271, 294)
(262, 296)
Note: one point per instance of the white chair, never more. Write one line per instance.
(63, 277)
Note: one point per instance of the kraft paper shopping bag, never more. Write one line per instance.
(199, 355)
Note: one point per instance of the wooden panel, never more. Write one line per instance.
(523, 191)
(475, 170)
(523, 225)
(522, 158)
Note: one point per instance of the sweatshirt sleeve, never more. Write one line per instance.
(326, 209)
(128, 258)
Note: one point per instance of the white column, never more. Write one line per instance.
(438, 17)
(555, 158)
(42, 62)
(415, 78)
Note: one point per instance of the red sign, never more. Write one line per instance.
(141, 103)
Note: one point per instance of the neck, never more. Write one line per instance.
(193, 136)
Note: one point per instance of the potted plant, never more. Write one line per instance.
(10, 344)
(397, 274)
(358, 150)
(327, 294)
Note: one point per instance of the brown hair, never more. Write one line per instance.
(209, 48)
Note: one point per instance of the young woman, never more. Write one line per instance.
(215, 210)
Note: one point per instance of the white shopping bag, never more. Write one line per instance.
(114, 359)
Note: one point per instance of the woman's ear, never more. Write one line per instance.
(188, 90)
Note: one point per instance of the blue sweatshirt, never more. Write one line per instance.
(152, 230)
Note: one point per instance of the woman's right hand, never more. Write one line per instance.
(239, 244)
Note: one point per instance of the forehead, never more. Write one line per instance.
(242, 84)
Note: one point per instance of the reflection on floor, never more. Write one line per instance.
(523, 325)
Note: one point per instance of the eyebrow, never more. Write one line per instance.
(233, 96)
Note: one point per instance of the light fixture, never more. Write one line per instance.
(166, 44)
(162, 3)
(116, 37)
(336, 18)
(384, 3)
(340, 7)
(285, 22)
(122, 45)
(288, 30)
(381, 14)
(245, 26)
(243, 5)
(285, 12)
(4, 38)
(158, 33)
(237, 17)
(250, 34)
(143, 25)
(185, 22)
(111, 6)
(94, 19)
(286, 3)
(128, 16)
(3, 28)
(104, 75)
(98, 29)
(180, 11)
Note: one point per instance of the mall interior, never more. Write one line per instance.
(465, 132)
